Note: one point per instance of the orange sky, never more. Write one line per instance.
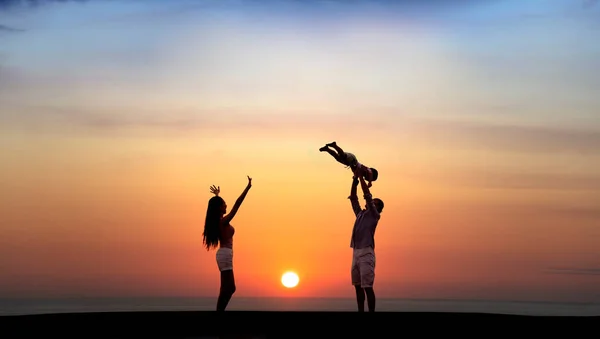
(88, 215)
(491, 188)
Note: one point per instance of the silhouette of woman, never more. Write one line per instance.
(218, 232)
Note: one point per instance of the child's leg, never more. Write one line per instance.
(336, 147)
(340, 156)
(333, 154)
(337, 156)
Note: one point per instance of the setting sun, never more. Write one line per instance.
(290, 279)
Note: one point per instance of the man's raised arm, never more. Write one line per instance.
(368, 197)
(353, 197)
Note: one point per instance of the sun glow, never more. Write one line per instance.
(290, 279)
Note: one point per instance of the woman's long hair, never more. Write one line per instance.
(211, 224)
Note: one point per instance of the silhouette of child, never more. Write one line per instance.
(346, 158)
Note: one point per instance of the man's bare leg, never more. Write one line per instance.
(370, 298)
(360, 298)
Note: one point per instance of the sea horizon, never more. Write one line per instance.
(25, 306)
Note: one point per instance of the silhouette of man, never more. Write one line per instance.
(363, 243)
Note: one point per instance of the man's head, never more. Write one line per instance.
(378, 204)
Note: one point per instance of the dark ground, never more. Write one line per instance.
(245, 324)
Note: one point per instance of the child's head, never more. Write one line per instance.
(375, 173)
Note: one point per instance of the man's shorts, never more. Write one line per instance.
(363, 267)
(225, 259)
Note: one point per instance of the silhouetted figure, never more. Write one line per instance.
(219, 232)
(363, 243)
(346, 158)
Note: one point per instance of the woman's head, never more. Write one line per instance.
(215, 211)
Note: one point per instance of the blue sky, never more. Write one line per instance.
(504, 75)
(550, 43)
(475, 71)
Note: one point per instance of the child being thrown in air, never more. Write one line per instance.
(369, 173)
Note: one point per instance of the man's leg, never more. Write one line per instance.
(360, 298)
(367, 277)
(370, 298)
(360, 293)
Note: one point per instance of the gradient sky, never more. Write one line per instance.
(482, 117)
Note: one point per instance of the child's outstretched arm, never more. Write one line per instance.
(238, 202)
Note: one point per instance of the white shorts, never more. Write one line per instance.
(225, 259)
(351, 159)
(363, 267)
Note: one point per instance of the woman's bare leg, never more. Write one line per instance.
(227, 289)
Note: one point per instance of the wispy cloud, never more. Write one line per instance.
(578, 214)
(511, 137)
(435, 133)
(577, 271)
(4, 28)
(31, 3)
(577, 211)
(493, 178)
(185, 121)
(589, 3)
